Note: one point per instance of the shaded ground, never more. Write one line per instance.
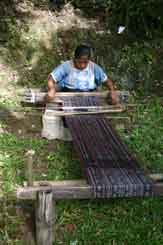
(23, 125)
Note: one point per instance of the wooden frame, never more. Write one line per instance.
(34, 96)
(45, 193)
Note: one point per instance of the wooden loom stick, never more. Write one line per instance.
(29, 167)
(63, 113)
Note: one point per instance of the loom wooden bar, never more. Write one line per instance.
(156, 177)
(41, 95)
(29, 167)
(81, 182)
(69, 183)
(71, 190)
(62, 113)
(61, 94)
(101, 94)
(20, 112)
(96, 93)
(104, 107)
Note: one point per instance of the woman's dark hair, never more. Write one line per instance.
(82, 50)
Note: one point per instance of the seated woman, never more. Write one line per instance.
(79, 75)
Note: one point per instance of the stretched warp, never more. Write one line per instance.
(107, 164)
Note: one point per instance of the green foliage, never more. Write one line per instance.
(143, 18)
(134, 221)
(135, 66)
(146, 136)
(12, 159)
(11, 224)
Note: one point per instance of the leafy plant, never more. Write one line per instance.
(143, 18)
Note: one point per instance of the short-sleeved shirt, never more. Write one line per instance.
(66, 75)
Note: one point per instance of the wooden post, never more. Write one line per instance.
(29, 234)
(29, 167)
(44, 218)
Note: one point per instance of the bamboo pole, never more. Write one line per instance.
(69, 113)
(36, 96)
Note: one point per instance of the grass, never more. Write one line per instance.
(112, 222)
(119, 221)
(146, 136)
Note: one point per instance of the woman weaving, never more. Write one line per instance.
(79, 75)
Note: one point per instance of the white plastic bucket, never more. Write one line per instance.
(53, 128)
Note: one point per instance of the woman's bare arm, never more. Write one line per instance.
(114, 95)
(51, 88)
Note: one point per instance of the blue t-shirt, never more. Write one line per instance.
(66, 75)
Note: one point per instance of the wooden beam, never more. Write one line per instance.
(156, 177)
(28, 110)
(64, 113)
(35, 96)
(82, 182)
(56, 183)
(40, 94)
(158, 189)
(60, 190)
(102, 94)
(51, 107)
(29, 167)
(21, 92)
(77, 189)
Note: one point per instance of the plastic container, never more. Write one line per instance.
(53, 128)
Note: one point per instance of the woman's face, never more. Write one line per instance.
(82, 62)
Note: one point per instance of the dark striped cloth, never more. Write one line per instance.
(107, 164)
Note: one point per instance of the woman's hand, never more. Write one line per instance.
(113, 93)
(114, 97)
(51, 94)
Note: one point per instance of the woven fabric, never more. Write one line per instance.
(106, 161)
